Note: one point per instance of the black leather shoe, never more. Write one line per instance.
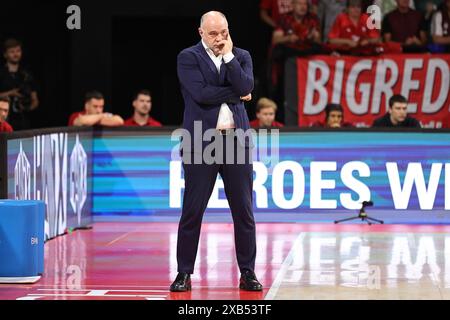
(249, 282)
(182, 283)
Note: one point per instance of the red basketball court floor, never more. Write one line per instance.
(294, 261)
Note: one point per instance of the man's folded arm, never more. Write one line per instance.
(240, 74)
(193, 81)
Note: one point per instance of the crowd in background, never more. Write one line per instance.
(346, 25)
(349, 27)
(300, 27)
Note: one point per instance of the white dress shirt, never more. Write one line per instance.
(225, 120)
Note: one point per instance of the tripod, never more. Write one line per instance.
(363, 215)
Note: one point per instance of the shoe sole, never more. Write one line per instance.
(189, 288)
(244, 288)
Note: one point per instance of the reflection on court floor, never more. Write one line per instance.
(371, 265)
(294, 261)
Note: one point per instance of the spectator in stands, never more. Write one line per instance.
(298, 32)
(4, 110)
(271, 10)
(17, 83)
(328, 12)
(334, 117)
(93, 113)
(142, 104)
(428, 12)
(405, 26)
(350, 34)
(265, 114)
(387, 6)
(397, 115)
(440, 28)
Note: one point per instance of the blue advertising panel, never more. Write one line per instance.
(312, 177)
(56, 168)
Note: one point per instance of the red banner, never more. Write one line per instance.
(363, 86)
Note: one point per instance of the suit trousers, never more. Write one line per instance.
(238, 184)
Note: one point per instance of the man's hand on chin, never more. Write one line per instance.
(226, 45)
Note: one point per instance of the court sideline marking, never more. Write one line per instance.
(271, 294)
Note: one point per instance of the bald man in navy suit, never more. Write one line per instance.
(216, 78)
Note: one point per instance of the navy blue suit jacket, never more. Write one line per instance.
(204, 89)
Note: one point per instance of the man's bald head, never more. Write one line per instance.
(212, 15)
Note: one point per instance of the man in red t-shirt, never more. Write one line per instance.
(299, 29)
(271, 10)
(142, 104)
(350, 33)
(265, 114)
(4, 110)
(93, 113)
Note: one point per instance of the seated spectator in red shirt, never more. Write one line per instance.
(298, 30)
(350, 34)
(271, 10)
(397, 115)
(142, 104)
(94, 114)
(405, 26)
(4, 110)
(334, 117)
(440, 29)
(265, 114)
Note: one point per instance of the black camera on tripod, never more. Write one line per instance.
(363, 215)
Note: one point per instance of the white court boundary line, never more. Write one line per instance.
(271, 294)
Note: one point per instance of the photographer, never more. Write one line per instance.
(17, 84)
